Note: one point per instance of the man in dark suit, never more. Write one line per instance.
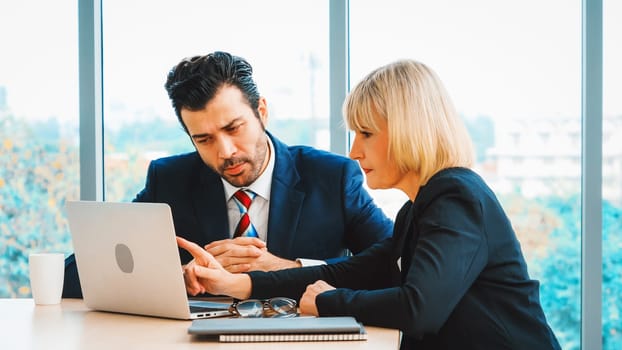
(253, 202)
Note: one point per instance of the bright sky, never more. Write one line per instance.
(496, 58)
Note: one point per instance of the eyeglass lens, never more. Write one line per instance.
(282, 306)
(255, 308)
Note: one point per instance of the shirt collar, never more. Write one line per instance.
(262, 184)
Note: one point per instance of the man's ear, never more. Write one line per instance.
(262, 110)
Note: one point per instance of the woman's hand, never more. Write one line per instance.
(307, 301)
(204, 274)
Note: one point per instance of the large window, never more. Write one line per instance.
(38, 133)
(516, 81)
(286, 42)
(513, 70)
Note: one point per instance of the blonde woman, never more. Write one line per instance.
(453, 275)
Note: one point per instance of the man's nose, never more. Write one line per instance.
(226, 147)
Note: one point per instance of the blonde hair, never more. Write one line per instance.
(425, 133)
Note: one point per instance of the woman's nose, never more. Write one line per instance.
(354, 149)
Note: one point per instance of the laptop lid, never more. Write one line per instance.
(128, 261)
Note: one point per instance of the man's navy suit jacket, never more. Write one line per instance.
(318, 207)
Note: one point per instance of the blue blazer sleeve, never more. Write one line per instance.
(367, 224)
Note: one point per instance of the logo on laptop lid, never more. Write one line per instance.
(124, 258)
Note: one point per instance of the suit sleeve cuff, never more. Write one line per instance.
(310, 262)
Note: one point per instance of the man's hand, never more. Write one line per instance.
(307, 301)
(244, 254)
(204, 274)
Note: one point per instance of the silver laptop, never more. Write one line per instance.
(128, 260)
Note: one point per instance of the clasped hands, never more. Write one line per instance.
(207, 274)
(244, 254)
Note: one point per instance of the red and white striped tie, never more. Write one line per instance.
(244, 198)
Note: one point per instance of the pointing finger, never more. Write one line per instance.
(199, 254)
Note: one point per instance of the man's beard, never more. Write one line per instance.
(255, 166)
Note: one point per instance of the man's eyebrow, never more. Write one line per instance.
(225, 127)
(230, 124)
(200, 136)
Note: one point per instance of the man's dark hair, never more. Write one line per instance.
(193, 82)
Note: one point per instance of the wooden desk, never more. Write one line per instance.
(71, 325)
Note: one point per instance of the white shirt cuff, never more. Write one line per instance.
(310, 262)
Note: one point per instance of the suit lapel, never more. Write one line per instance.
(285, 201)
(210, 207)
(402, 237)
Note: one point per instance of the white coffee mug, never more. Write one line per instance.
(47, 272)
